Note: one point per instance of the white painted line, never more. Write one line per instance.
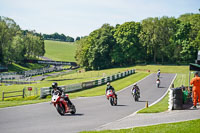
(72, 99)
(165, 93)
(134, 113)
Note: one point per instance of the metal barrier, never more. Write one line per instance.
(85, 85)
(17, 82)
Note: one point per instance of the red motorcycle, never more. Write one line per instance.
(111, 97)
(61, 105)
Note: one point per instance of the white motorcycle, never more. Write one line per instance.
(157, 84)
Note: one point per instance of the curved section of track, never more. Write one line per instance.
(91, 113)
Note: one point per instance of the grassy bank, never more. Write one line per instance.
(82, 76)
(179, 127)
(60, 51)
(119, 84)
(182, 78)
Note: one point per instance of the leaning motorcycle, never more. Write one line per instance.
(61, 105)
(135, 95)
(111, 97)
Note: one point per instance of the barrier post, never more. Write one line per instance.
(23, 93)
(3, 96)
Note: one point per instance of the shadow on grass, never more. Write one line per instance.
(65, 79)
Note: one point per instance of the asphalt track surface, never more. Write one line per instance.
(92, 112)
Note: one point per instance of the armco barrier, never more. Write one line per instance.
(85, 85)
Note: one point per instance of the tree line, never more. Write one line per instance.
(58, 37)
(17, 44)
(153, 40)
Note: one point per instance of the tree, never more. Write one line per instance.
(127, 48)
(8, 29)
(94, 51)
(78, 38)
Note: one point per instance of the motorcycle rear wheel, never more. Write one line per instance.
(136, 98)
(73, 109)
(115, 101)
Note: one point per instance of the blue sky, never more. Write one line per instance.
(81, 17)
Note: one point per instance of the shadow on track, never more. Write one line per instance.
(121, 105)
(161, 87)
(77, 114)
(141, 101)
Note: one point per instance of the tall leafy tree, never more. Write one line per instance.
(149, 38)
(127, 49)
(96, 48)
(8, 29)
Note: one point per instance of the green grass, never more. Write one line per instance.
(181, 79)
(182, 72)
(27, 66)
(159, 107)
(191, 126)
(60, 51)
(118, 84)
(76, 77)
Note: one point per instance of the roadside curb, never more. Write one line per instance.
(135, 113)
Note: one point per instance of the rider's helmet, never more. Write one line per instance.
(54, 85)
(196, 73)
(108, 84)
(135, 84)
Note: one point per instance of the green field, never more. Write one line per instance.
(182, 72)
(72, 78)
(76, 77)
(179, 127)
(60, 51)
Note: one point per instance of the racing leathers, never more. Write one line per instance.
(61, 93)
(111, 88)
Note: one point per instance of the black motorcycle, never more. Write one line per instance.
(135, 95)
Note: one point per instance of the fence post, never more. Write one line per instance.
(3, 96)
(23, 93)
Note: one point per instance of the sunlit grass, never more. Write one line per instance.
(60, 51)
(191, 126)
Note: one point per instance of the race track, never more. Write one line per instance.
(92, 112)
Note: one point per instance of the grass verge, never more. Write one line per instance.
(191, 126)
(56, 50)
(118, 84)
(158, 107)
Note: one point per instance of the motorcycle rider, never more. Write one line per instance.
(158, 73)
(136, 88)
(158, 81)
(61, 92)
(109, 87)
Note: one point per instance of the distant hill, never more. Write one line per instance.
(60, 51)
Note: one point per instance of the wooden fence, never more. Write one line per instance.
(16, 95)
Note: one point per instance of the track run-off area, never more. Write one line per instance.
(92, 112)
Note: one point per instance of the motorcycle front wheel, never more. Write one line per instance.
(111, 101)
(60, 109)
